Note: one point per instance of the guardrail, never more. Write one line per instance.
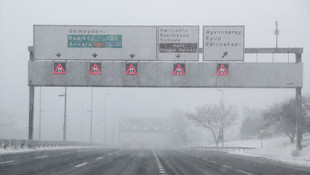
(219, 148)
(16, 143)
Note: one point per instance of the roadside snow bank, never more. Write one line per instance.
(279, 149)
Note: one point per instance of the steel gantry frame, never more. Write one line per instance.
(297, 51)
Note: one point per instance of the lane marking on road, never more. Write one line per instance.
(227, 166)
(65, 153)
(40, 157)
(99, 158)
(115, 153)
(79, 165)
(10, 161)
(160, 167)
(213, 161)
(245, 172)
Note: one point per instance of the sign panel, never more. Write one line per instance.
(131, 68)
(59, 68)
(223, 43)
(178, 43)
(261, 131)
(159, 74)
(222, 69)
(96, 42)
(95, 68)
(179, 69)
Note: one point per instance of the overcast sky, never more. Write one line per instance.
(17, 18)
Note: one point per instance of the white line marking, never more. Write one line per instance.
(160, 168)
(110, 154)
(10, 161)
(79, 165)
(65, 153)
(99, 158)
(213, 162)
(245, 172)
(39, 157)
(226, 166)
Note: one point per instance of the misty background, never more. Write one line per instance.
(17, 18)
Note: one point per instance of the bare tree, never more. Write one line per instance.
(212, 118)
(282, 117)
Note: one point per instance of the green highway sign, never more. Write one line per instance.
(109, 43)
(95, 41)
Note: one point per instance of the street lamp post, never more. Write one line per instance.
(65, 114)
(222, 116)
(105, 117)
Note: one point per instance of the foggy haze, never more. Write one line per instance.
(17, 18)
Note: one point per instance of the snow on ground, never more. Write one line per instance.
(19, 150)
(279, 149)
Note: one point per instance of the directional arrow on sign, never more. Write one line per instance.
(224, 54)
(132, 55)
(94, 55)
(58, 54)
(178, 55)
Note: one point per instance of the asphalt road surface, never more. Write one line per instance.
(89, 161)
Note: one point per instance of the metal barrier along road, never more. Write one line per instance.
(16, 143)
(217, 148)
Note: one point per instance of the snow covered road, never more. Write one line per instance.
(141, 162)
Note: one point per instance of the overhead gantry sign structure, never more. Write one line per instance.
(155, 57)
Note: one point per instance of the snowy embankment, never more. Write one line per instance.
(279, 149)
(24, 150)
